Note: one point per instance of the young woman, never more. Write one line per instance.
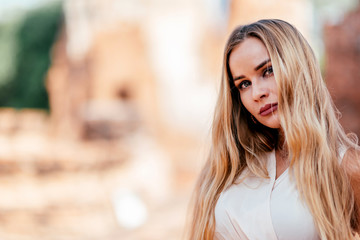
(280, 166)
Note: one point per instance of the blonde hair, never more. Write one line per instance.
(312, 133)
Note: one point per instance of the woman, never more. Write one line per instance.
(280, 166)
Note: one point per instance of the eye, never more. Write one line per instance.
(244, 84)
(268, 72)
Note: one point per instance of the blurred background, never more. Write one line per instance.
(106, 106)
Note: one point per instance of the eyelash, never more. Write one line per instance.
(268, 72)
(242, 83)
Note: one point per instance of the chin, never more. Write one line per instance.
(275, 126)
(272, 124)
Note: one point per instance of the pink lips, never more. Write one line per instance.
(268, 108)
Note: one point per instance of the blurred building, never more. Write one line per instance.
(300, 13)
(149, 69)
(342, 43)
(132, 89)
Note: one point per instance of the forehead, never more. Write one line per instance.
(247, 55)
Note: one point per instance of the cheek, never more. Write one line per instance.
(274, 86)
(245, 102)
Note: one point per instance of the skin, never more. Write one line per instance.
(253, 76)
(257, 87)
(251, 70)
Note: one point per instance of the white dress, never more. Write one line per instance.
(264, 209)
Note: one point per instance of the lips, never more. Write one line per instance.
(268, 108)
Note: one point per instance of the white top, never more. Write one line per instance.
(259, 208)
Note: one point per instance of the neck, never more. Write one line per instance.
(281, 146)
(281, 139)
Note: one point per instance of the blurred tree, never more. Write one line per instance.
(25, 47)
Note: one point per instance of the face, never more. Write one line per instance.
(252, 72)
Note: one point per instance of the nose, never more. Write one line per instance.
(259, 91)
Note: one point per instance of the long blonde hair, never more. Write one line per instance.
(310, 124)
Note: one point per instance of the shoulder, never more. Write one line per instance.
(351, 163)
(351, 166)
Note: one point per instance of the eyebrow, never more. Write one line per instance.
(256, 68)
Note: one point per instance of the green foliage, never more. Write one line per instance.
(25, 47)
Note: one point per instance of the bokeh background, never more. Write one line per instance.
(106, 106)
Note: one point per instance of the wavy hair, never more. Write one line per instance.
(311, 129)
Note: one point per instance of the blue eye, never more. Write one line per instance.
(244, 84)
(268, 72)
